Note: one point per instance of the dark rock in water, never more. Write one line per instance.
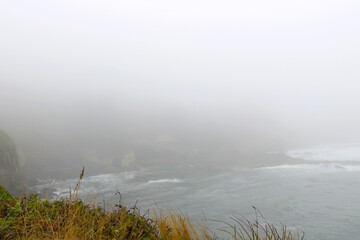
(9, 163)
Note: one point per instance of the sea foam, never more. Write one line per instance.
(166, 180)
(331, 167)
(331, 153)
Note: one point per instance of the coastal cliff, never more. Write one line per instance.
(9, 163)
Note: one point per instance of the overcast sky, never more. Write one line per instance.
(295, 62)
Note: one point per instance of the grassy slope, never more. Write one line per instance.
(31, 218)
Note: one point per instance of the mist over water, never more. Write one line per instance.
(206, 106)
(318, 197)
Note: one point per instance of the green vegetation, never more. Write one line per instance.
(29, 217)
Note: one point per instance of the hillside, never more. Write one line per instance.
(9, 163)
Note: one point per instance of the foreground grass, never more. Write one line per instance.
(30, 217)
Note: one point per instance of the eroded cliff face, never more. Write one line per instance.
(9, 163)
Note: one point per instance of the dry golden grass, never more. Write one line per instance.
(177, 225)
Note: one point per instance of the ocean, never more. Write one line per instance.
(316, 191)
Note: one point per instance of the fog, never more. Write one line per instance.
(125, 84)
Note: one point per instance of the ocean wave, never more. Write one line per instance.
(332, 153)
(99, 184)
(313, 167)
(165, 180)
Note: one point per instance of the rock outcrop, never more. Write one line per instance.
(9, 163)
